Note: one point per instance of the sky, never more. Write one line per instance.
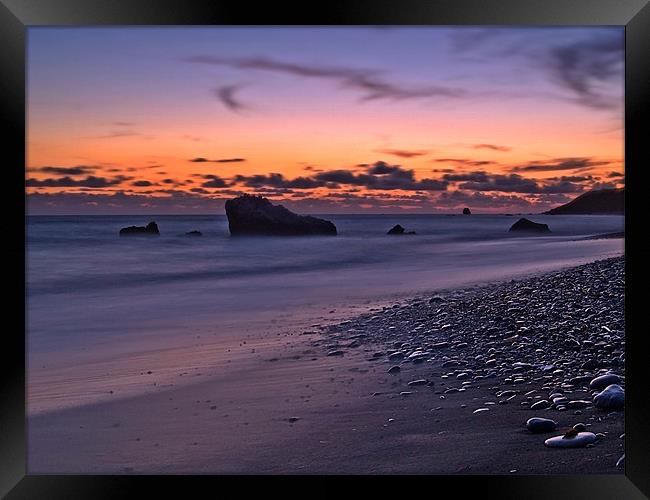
(322, 120)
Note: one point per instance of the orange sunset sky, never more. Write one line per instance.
(322, 120)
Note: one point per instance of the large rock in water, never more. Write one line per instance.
(467, 211)
(149, 229)
(528, 226)
(255, 215)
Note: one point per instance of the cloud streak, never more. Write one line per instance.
(582, 66)
(223, 160)
(402, 153)
(91, 181)
(227, 95)
(582, 163)
(492, 147)
(369, 83)
(73, 171)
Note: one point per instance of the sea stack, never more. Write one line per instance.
(398, 229)
(150, 229)
(467, 211)
(528, 226)
(255, 215)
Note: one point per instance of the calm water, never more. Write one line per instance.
(87, 285)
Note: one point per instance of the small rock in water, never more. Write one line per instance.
(335, 353)
(293, 419)
(418, 382)
(394, 369)
(603, 381)
(580, 440)
(538, 425)
(580, 427)
(611, 398)
(481, 410)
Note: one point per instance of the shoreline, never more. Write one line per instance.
(304, 411)
(92, 371)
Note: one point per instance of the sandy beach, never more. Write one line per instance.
(321, 400)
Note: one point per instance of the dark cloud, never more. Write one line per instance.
(369, 82)
(492, 147)
(142, 183)
(78, 170)
(214, 181)
(90, 181)
(278, 181)
(615, 174)
(223, 160)
(226, 95)
(603, 185)
(402, 153)
(513, 183)
(382, 176)
(582, 67)
(560, 164)
(468, 177)
(572, 178)
(378, 176)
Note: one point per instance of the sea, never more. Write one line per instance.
(97, 295)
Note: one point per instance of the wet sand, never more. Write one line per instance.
(289, 407)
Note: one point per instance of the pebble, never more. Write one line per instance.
(611, 398)
(538, 425)
(579, 403)
(581, 440)
(540, 405)
(603, 381)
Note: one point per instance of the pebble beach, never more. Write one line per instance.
(519, 377)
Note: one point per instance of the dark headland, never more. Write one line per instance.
(601, 201)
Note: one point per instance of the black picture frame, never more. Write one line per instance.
(16, 15)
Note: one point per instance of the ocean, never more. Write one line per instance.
(99, 296)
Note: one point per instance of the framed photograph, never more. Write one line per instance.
(372, 239)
